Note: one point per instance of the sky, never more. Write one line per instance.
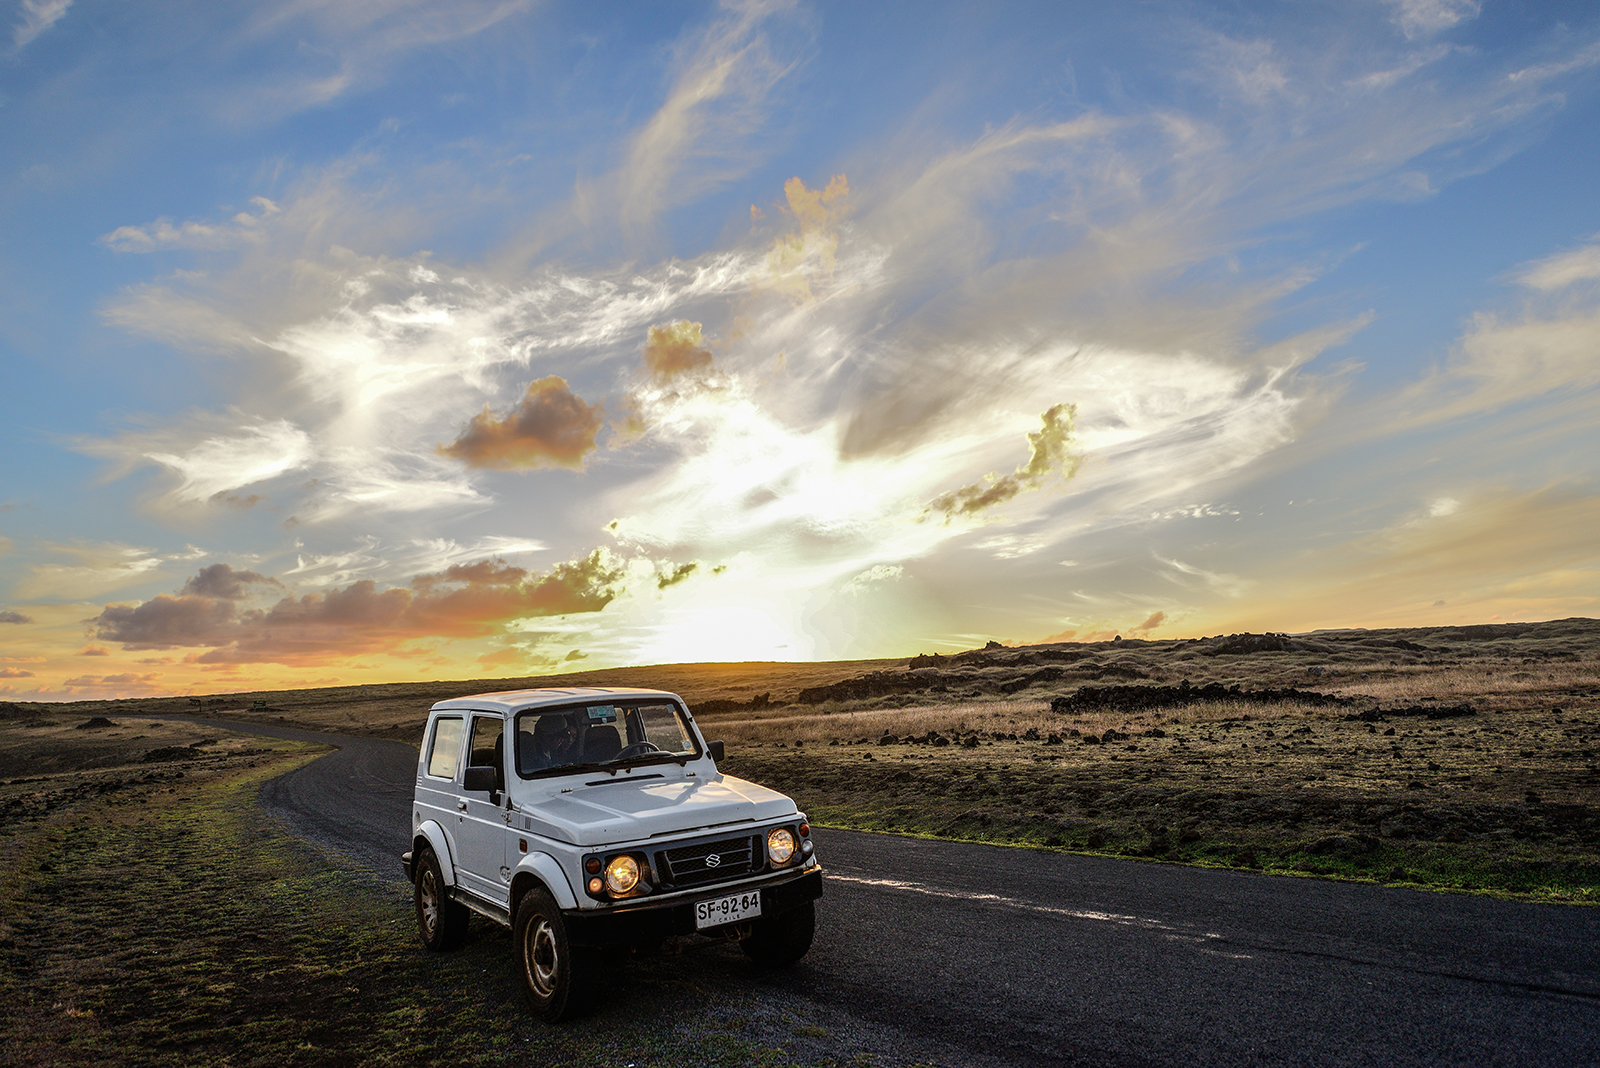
(359, 341)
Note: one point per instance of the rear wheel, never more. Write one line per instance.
(780, 940)
(441, 922)
(553, 970)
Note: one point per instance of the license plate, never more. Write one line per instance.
(730, 909)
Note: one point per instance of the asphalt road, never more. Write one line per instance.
(992, 956)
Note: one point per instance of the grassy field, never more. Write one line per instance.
(150, 916)
(1457, 758)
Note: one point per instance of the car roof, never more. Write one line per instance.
(508, 701)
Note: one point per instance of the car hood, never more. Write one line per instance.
(622, 810)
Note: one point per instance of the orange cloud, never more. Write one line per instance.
(464, 601)
(551, 426)
(676, 348)
(797, 259)
(1155, 620)
(1050, 453)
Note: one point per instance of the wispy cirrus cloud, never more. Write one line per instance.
(37, 17)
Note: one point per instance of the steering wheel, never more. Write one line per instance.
(637, 749)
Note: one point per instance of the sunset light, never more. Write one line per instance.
(353, 343)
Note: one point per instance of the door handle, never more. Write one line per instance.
(462, 805)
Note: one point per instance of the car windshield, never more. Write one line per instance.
(552, 740)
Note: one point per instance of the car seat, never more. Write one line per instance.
(600, 743)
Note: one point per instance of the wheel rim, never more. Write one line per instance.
(540, 961)
(428, 897)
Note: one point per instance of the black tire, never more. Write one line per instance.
(554, 972)
(441, 921)
(778, 941)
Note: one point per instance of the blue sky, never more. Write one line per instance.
(355, 342)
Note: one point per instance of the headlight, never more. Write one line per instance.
(622, 874)
(780, 845)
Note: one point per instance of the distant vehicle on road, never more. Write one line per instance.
(588, 820)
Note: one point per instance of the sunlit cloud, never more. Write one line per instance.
(464, 601)
(1049, 457)
(550, 427)
(676, 348)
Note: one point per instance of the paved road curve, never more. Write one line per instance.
(1008, 956)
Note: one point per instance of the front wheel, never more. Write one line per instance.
(780, 940)
(553, 970)
(441, 921)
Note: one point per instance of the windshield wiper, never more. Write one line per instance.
(644, 758)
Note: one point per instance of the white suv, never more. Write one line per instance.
(588, 818)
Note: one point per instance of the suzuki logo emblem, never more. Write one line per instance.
(713, 860)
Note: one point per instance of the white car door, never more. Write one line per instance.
(481, 823)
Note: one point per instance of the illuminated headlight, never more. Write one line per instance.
(622, 874)
(780, 845)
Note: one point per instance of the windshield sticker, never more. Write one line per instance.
(602, 714)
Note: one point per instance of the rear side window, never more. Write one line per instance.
(445, 752)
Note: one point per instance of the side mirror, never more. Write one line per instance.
(716, 750)
(478, 780)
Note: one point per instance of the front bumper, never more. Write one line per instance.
(647, 921)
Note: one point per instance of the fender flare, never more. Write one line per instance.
(545, 869)
(432, 835)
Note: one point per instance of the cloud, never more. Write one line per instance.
(1563, 269)
(37, 17)
(15, 673)
(94, 650)
(873, 576)
(222, 582)
(338, 48)
(14, 617)
(676, 348)
(700, 136)
(165, 622)
(1424, 18)
(463, 601)
(1155, 620)
(125, 683)
(1050, 455)
(99, 569)
(677, 575)
(212, 456)
(1541, 349)
(798, 259)
(551, 426)
(243, 227)
(1501, 551)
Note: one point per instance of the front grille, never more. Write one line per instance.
(692, 865)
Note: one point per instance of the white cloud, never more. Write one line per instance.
(37, 17)
(1424, 18)
(1563, 269)
(241, 228)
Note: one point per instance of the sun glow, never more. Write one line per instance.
(729, 629)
